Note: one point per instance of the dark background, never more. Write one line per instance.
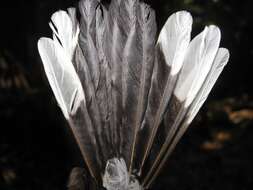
(37, 150)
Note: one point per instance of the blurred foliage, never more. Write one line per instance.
(37, 150)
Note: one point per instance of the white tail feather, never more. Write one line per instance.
(197, 64)
(174, 39)
(61, 75)
(220, 62)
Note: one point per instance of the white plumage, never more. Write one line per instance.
(174, 39)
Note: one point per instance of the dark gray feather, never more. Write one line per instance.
(92, 69)
(91, 104)
(159, 80)
(138, 79)
(79, 123)
(87, 37)
(104, 85)
(113, 47)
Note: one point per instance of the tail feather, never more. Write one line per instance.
(87, 37)
(137, 67)
(219, 63)
(104, 85)
(199, 50)
(57, 59)
(171, 47)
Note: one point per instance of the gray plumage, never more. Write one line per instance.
(128, 95)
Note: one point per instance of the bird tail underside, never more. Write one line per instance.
(126, 93)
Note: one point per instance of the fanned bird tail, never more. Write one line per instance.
(128, 95)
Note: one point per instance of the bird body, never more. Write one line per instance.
(128, 95)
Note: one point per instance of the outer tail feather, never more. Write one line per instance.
(178, 105)
(219, 63)
(56, 57)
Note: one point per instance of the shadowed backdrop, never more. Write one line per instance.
(37, 150)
